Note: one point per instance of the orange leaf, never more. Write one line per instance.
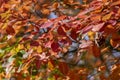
(45, 11)
(63, 67)
(96, 51)
(116, 3)
(55, 5)
(113, 43)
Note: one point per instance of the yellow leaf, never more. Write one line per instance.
(91, 35)
(5, 15)
(19, 47)
(50, 65)
(39, 49)
(5, 24)
(106, 17)
(28, 45)
(13, 51)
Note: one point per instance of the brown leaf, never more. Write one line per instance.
(63, 67)
(10, 30)
(96, 51)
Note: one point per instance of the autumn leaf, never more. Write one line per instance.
(64, 68)
(38, 63)
(34, 43)
(39, 49)
(50, 65)
(55, 46)
(74, 34)
(91, 35)
(96, 51)
(10, 30)
(106, 17)
(55, 5)
(61, 31)
(46, 11)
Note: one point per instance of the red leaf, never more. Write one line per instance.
(55, 46)
(34, 43)
(64, 41)
(61, 31)
(25, 39)
(74, 34)
(10, 30)
(38, 63)
(63, 67)
(96, 51)
(66, 27)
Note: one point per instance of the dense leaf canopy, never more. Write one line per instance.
(60, 39)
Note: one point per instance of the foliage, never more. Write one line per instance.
(81, 43)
